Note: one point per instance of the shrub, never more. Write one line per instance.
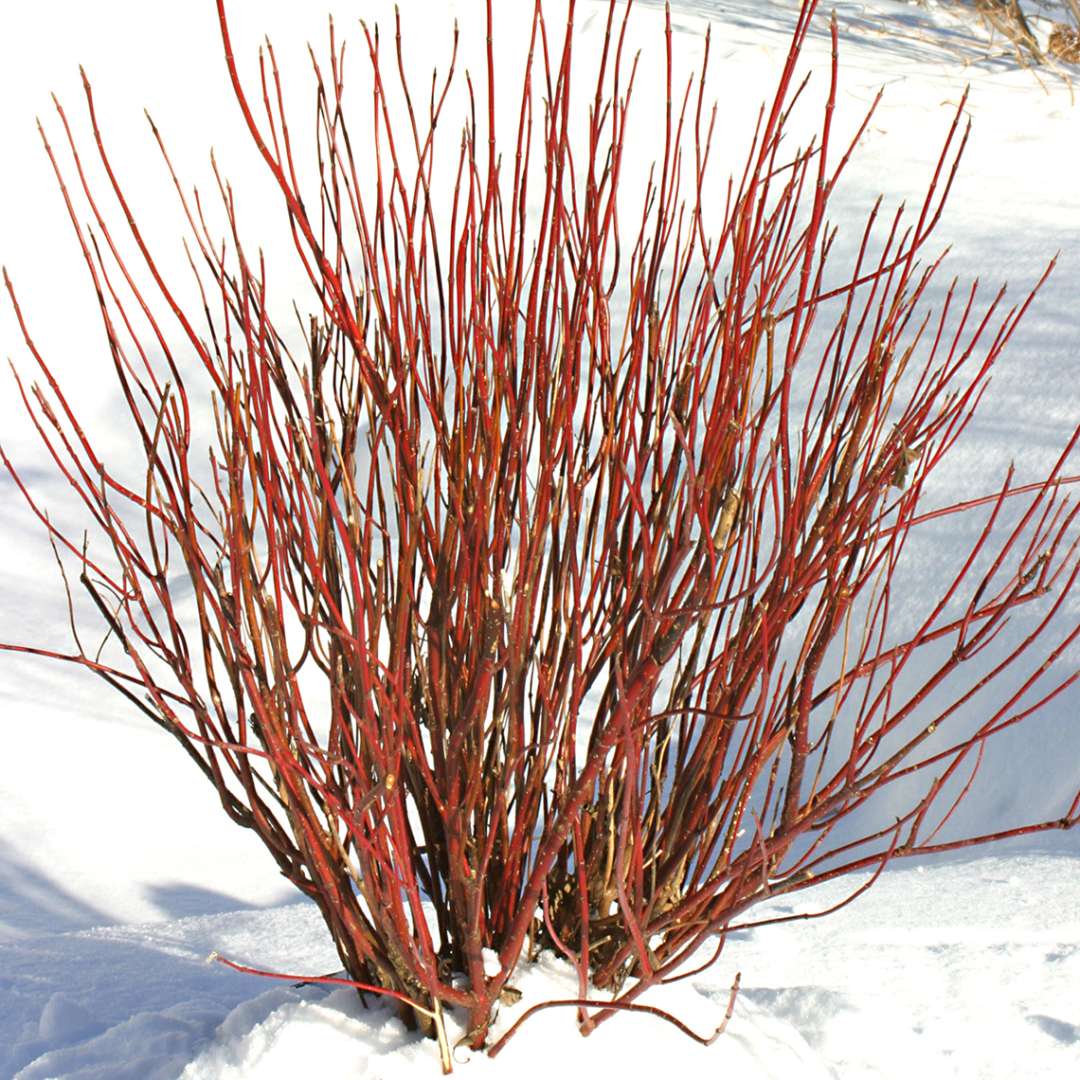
(542, 598)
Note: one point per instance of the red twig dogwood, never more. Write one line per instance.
(584, 523)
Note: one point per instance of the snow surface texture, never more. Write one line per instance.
(968, 969)
(116, 882)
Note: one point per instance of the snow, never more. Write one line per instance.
(958, 969)
(118, 872)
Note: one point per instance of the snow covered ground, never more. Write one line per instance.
(118, 873)
(966, 970)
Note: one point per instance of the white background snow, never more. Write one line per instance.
(118, 872)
